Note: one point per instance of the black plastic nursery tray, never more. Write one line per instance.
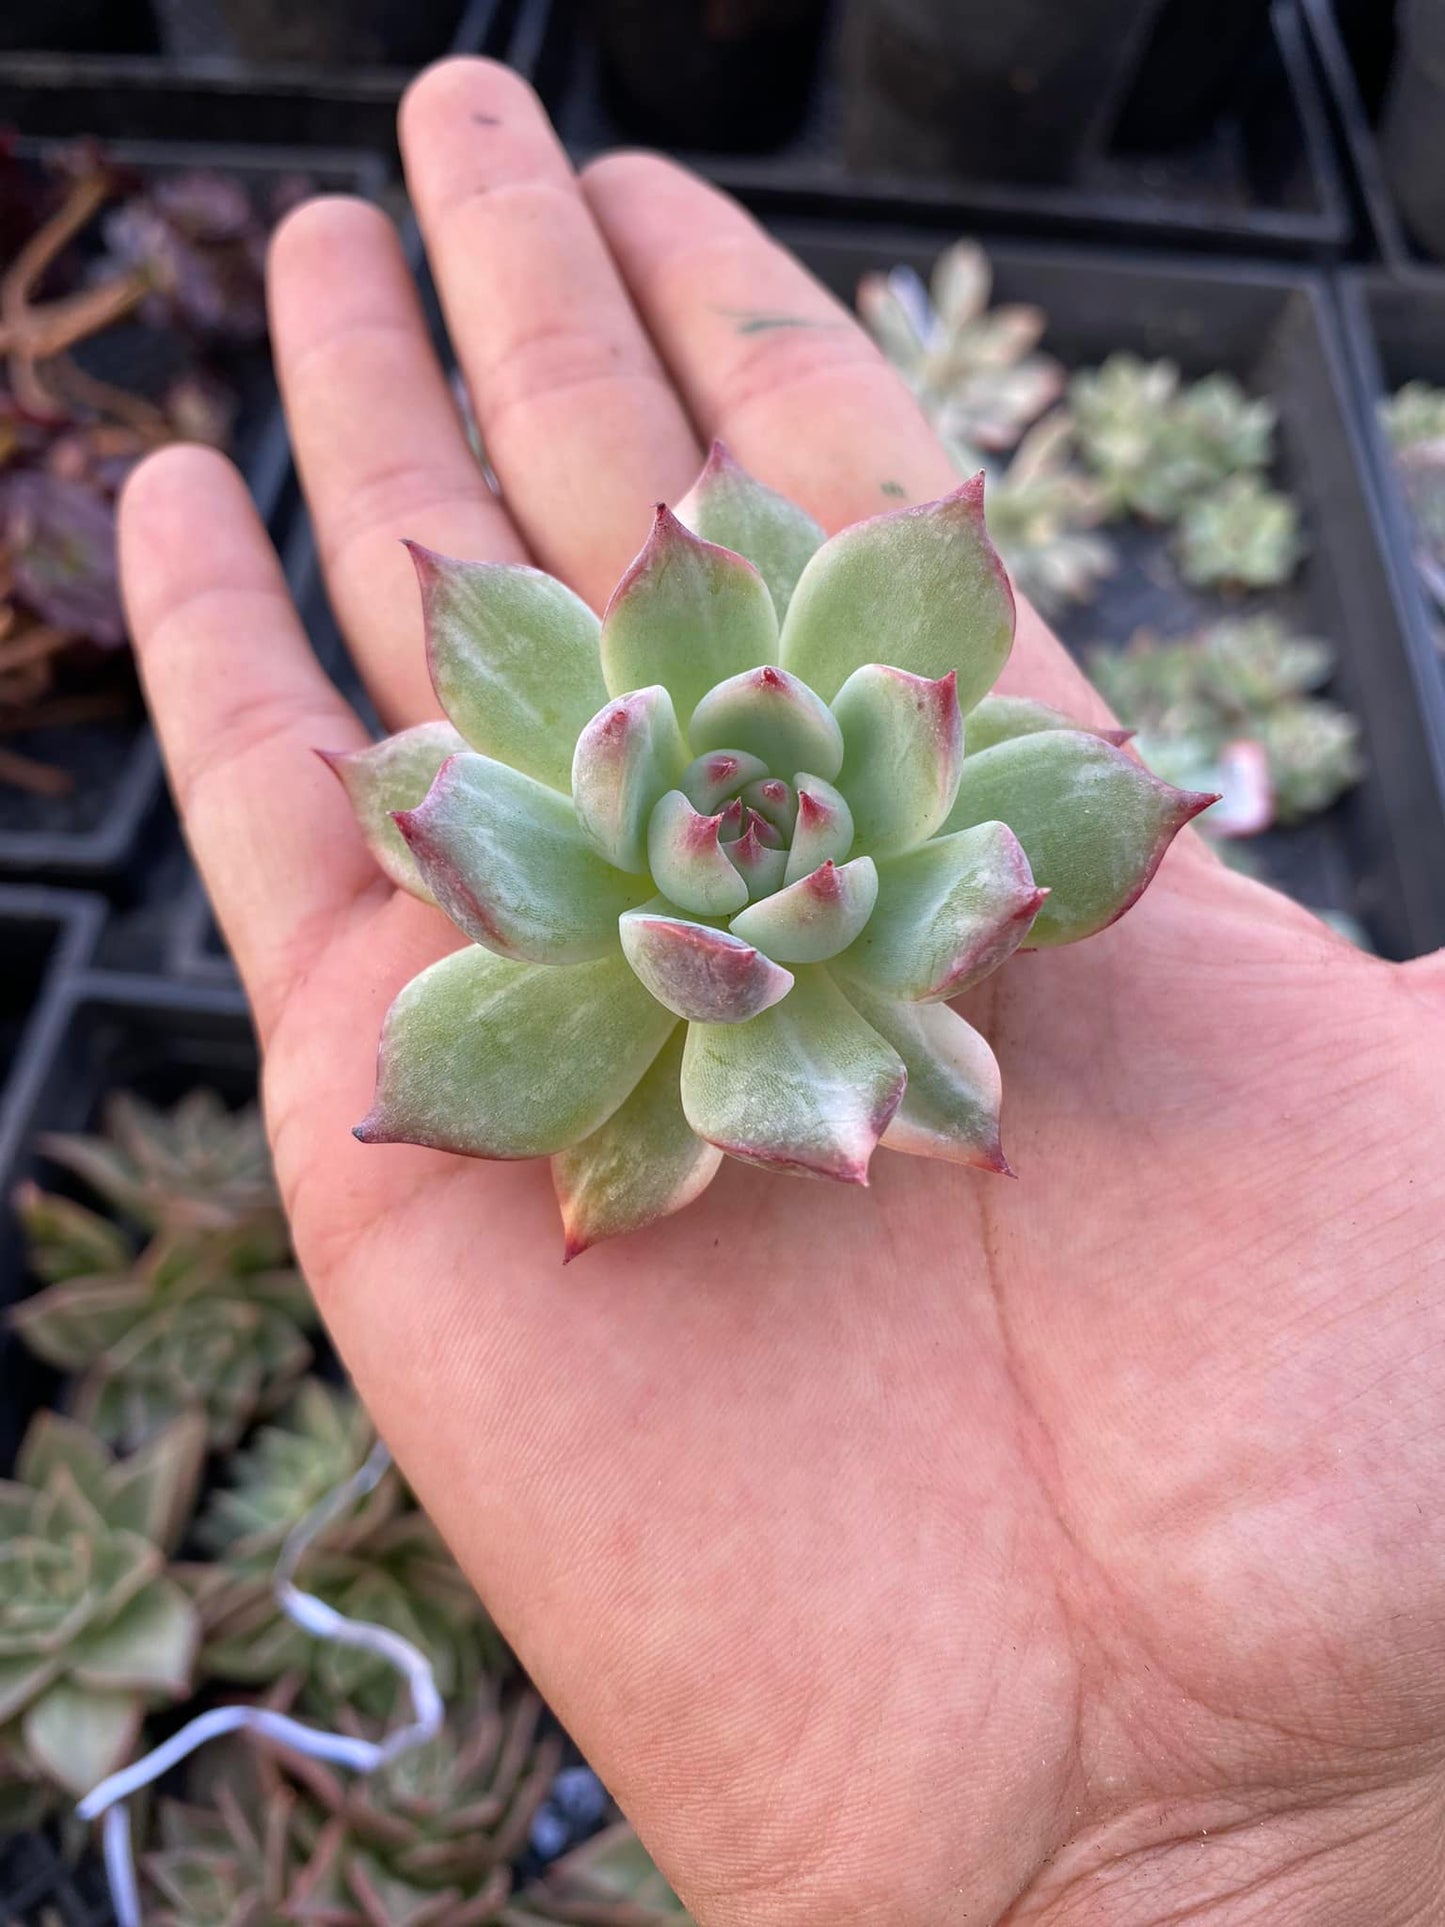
(45, 937)
(197, 95)
(1395, 329)
(1264, 181)
(41, 1887)
(1376, 855)
(1355, 132)
(110, 1032)
(96, 831)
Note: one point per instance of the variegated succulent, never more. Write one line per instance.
(725, 855)
(382, 1561)
(1157, 444)
(1234, 708)
(93, 1629)
(976, 370)
(1241, 535)
(208, 1314)
(1414, 420)
(609, 1881)
(1414, 414)
(1043, 514)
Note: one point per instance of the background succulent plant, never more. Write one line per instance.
(1043, 514)
(382, 1561)
(1414, 419)
(427, 1841)
(209, 1313)
(722, 873)
(1241, 535)
(1156, 444)
(976, 370)
(93, 1629)
(609, 1881)
(227, 1864)
(1234, 706)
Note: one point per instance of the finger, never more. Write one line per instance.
(769, 360)
(578, 417)
(378, 439)
(240, 704)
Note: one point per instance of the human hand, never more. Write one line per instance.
(953, 1551)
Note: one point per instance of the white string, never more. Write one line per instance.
(313, 1616)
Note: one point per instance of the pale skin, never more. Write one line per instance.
(952, 1551)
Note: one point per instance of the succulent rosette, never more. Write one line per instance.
(725, 855)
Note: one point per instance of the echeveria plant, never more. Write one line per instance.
(93, 1630)
(725, 855)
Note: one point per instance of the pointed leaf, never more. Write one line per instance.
(824, 828)
(150, 1647)
(688, 862)
(52, 1441)
(629, 755)
(807, 1087)
(728, 506)
(504, 857)
(77, 1737)
(948, 914)
(950, 1107)
(153, 1492)
(998, 719)
(719, 776)
(775, 717)
(758, 857)
(687, 614)
(24, 1676)
(775, 802)
(514, 660)
(390, 776)
(921, 588)
(902, 753)
(72, 1324)
(65, 1240)
(814, 918)
(497, 1059)
(701, 973)
(643, 1164)
(1093, 822)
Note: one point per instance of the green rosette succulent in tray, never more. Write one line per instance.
(725, 855)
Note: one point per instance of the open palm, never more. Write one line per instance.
(952, 1551)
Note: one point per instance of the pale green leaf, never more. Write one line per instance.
(807, 1087)
(505, 858)
(627, 757)
(921, 588)
(497, 1059)
(687, 614)
(149, 1647)
(947, 915)
(728, 506)
(392, 775)
(644, 1163)
(814, 918)
(77, 1738)
(1094, 824)
(700, 973)
(950, 1107)
(774, 717)
(514, 659)
(902, 752)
